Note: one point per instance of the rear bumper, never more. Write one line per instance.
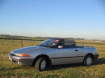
(96, 57)
(21, 60)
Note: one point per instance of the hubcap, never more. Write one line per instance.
(89, 61)
(43, 65)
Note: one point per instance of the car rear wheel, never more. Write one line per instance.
(88, 60)
(41, 64)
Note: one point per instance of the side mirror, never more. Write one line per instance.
(60, 46)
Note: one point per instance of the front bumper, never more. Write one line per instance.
(21, 60)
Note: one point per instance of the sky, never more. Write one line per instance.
(53, 18)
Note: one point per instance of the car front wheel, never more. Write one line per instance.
(41, 64)
(88, 60)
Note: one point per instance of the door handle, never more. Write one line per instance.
(76, 50)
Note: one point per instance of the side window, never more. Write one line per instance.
(61, 43)
(69, 44)
(58, 44)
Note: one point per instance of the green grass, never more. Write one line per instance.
(10, 70)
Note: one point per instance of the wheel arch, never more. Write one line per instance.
(42, 55)
(89, 54)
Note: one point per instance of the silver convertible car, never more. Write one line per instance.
(54, 51)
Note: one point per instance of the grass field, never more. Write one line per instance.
(9, 70)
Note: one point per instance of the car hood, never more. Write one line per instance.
(29, 49)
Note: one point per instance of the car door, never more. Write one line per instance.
(67, 55)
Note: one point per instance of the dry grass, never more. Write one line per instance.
(9, 70)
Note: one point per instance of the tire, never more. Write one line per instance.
(41, 64)
(88, 60)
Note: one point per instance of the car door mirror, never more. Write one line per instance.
(60, 46)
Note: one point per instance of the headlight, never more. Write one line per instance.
(23, 55)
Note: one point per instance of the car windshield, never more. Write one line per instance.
(49, 43)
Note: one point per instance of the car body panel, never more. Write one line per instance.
(64, 56)
(56, 55)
